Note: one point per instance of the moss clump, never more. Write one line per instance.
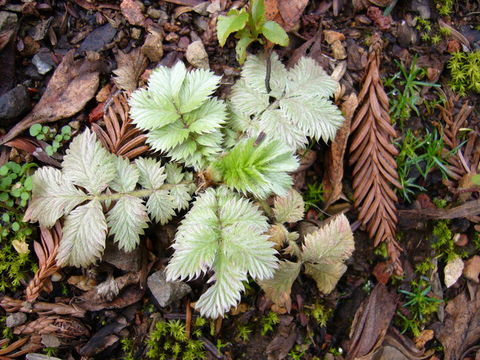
(465, 71)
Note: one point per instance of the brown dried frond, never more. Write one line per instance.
(372, 153)
(58, 326)
(462, 159)
(11, 305)
(20, 347)
(46, 251)
(121, 137)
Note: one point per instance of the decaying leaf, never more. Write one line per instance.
(46, 251)
(461, 328)
(20, 347)
(472, 268)
(322, 254)
(129, 69)
(371, 322)
(453, 270)
(289, 208)
(121, 137)
(332, 179)
(284, 340)
(72, 85)
(62, 327)
(373, 156)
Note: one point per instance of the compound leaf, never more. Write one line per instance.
(326, 275)
(289, 208)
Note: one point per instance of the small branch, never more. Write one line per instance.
(268, 52)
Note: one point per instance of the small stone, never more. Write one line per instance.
(332, 36)
(166, 292)
(172, 37)
(153, 46)
(126, 261)
(43, 62)
(133, 12)
(363, 19)
(15, 319)
(51, 341)
(183, 42)
(460, 239)
(35, 356)
(8, 20)
(154, 13)
(135, 33)
(339, 51)
(14, 103)
(98, 38)
(197, 56)
(453, 46)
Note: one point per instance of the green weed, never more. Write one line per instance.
(46, 133)
(268, 323)
(313, 197)
(320, 313)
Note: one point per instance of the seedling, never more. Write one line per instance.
(250, 25)
(46, 133)
(314, 196)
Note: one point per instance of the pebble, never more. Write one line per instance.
(338, 50)
(51, 341)
(332, 36)
(14, 103)
(153, 46)
(126, 261)
(15, 319)
(98, 38)
(135, 33)
(7, 20)
(166, 292)
(43, 62)
(197, 56)
(155, 13)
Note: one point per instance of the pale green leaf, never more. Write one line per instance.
(289, 208)
(126, 221)
(241, 48)
(151, 173)
(275, 33)
(166, 82)
(84, 234)
(127, 176)
(257, 11)
(247, 100)
(278, 126)
(53, 196)
(254, 72)
(235, 21)
(88, 164)
(325, 275)
(330, 244)
(198, 86)
(279, 287)
(160, 206)
(208, 118)
(167, 137)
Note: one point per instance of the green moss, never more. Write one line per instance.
(465, 71)
(169, 340)
(444, 7)
(268, 323)
(320, 313)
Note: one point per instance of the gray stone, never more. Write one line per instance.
(98, 38)
(7, 20)
(166, 292)
(153, 45)
(126, 261)
(14, 103)
(15, 319)
(197, 56)
(51, 341)
(43, 62)
(35, 356)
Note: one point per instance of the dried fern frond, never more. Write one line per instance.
(121, 137)
(372, 154)
(46, 251)
(463, 158)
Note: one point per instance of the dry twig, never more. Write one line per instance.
(20, 347)
(43, 308)
(58, 326)
(372, 153)
(121, 136)
(46, 252)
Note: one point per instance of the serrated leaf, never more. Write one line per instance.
(289, 208)
(453, 270)
(166, 82)
(208, 118)
(84, 234)
(126, 221)
(235, 21)
(151, 173)
(88, 164)
(330, 244)
(279, 287)
(53, 196)
(326, 275)
(275, 33)
(198, 86)
(127, 176)
(160, 206)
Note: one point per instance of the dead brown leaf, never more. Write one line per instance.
(291, 11)
(72, 85)
(371, 322)
(284, 339)
(20, 347)
(61, 327)
(129, 69)
(43, 308)
(472, 268)
(332, 179)
(373, 156)
(461, 328)
(132, 10)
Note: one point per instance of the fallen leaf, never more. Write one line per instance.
(461, 328)
(129, 69)
(332, 179)
(424, 337)
(72, 85)
(472, 268)
(82, 282)
(284, 340)
(132, 10)
(291, 11)
(453, 270)
(371, 322)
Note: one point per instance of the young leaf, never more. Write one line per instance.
(257, 169)
(241, 48)
(235, 21)
(275, 33)
(257, 12)
(289, 208)
(279, 287)
(84, 234)
(53, 196)
(223, 232)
